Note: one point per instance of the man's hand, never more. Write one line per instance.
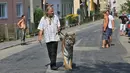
(59, 29)
(39, 38)
(40, 35)
(104, 29)
(113, 28)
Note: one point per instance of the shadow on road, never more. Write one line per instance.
(102, 68)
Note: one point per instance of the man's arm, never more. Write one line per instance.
(19, 23)
(58, 24)
(40, 34)
(105, 23)
(41, 29)
(113, 23)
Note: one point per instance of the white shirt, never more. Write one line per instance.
(110, 21)
(50, 30)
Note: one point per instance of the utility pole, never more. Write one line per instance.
(32, 14)
(89, 8)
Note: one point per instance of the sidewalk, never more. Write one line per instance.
(9, 44)
(125, 42)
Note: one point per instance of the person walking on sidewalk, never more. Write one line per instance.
(110, 27)
(49, 26)
(105, 31)
(123, 20)
(22, 26)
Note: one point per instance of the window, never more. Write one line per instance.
(19, 8)
(3, 10)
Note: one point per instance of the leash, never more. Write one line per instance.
(60, 33)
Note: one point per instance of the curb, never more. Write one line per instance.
(16, 45)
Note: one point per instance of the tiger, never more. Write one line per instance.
(67, 50)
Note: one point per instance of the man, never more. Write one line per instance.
(123, 21)
(49, 26)
(22, 26)
(111, 25)
(105, 29)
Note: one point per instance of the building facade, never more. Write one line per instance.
(64, 7)
(12, 10)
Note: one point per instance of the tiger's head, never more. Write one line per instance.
(69, 39)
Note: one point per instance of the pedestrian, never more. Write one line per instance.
(111, 25)
(123, 19)
(105, 29)
(128, 27)
(49, 26)
(22, 27)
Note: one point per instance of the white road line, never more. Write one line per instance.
(77, 42)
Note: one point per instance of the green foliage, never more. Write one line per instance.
(72, 18)
(38, 13)
(126, 6)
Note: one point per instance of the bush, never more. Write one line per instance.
(72, 18)
(38, 13)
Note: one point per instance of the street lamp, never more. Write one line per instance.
(31, 15)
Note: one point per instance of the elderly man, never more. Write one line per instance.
(49, 26)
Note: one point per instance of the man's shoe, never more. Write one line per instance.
(25, 44)
(21, 43)
(54, 68)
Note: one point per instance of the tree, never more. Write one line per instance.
(38, 13)
(126, 6)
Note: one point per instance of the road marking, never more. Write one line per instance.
(77, 42)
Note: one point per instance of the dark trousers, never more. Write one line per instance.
(52, 52)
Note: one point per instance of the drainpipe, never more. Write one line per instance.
(89, 8)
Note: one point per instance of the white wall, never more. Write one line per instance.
(76, 5)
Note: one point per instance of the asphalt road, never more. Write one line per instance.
(89, 57)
